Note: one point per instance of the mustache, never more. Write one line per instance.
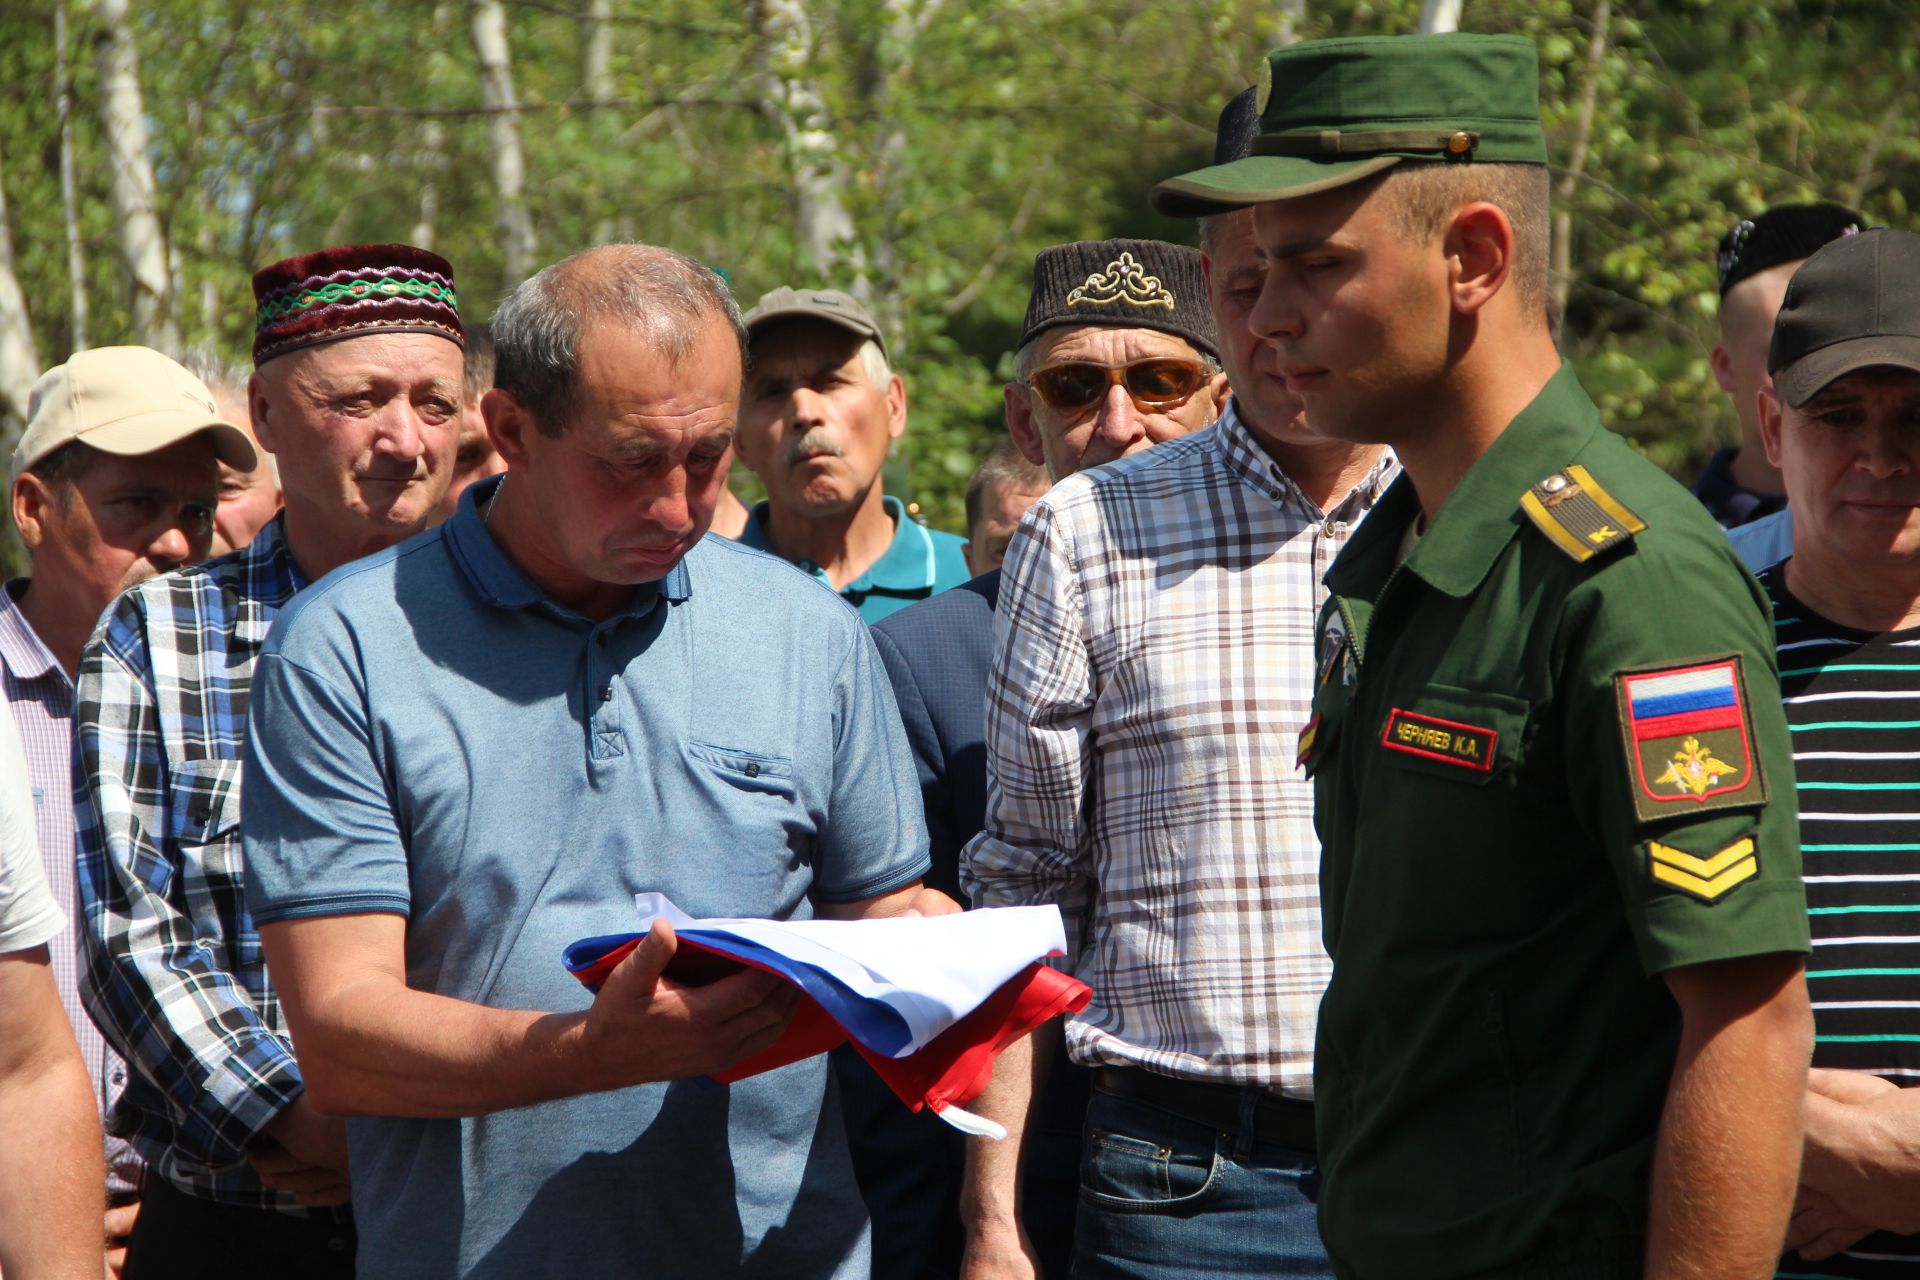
(816, 442)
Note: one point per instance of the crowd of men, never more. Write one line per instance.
(1468, 855)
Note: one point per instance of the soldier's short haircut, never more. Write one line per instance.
(1421, 198)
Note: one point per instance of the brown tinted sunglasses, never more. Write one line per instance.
(1154, 385)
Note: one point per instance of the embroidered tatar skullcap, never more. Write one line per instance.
(349, 291)
(1121, 284)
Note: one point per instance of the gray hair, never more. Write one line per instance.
(477, 363)
(226, 379)
(663, 297)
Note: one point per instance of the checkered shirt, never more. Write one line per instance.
(174, 974)
(40, 696)
(1153, 665)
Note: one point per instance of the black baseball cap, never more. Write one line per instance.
(1854, 304)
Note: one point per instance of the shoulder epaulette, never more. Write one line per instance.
(1578, 516)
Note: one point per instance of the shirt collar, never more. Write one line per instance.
(23, 652)
(1482, 514)
(501, 582)
(1244, 457)
(908, 563)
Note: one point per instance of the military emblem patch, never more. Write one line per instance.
(1708, 879)
(1447, 741)
(1688, 741)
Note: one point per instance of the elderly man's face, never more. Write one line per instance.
(1851, 461)
(1002, 503)
(248, 499)
(474, 458)
(813, 425)
(631, 483)
(363, 430)
(120, 521)
(1066, 440)
(1235, 269)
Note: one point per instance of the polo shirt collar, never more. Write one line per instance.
(907, 565)
(23, 652)
(501, 582)
(1482, 515)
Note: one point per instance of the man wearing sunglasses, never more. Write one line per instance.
(1566, 1032)
(1153, 661)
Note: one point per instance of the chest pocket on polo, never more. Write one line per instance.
(1469, 736)
(203, 821)
(747, 770)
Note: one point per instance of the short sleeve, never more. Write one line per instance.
(29, 916)
(1678, 755)
(321, 838)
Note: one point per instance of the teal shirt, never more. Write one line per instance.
(920, 562)
(1506, 849)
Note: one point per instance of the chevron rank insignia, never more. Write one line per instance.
(1578, 516)
(1708, 879)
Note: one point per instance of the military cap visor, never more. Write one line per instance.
(1337, 111)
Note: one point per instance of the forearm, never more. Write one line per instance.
(1866, 1157)
(991, 1180)
(1727, 1159)
(52, 1178)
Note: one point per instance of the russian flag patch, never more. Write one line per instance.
(1688, 739)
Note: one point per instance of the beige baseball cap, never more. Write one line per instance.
(830, 305)
(125, 400)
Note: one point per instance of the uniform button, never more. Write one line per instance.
(1554, 483)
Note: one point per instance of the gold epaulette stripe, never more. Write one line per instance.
(1579, 516)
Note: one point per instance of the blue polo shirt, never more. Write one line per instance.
(432, 736)
(918, 563)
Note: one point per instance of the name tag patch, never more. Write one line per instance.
(1447, 741)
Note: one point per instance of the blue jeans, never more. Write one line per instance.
(1163, 1198)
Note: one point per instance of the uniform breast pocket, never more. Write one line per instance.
(1467, 736)
(204, 825)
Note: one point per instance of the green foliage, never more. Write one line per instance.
(971, 135)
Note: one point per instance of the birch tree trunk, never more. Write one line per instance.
(1291, 14)
(123, 126)
(906, 24)
(1560, 273)
(76, 251)
(19, 360)
(517, 245)
(822, 225)
(596, 81)
(1438, 17)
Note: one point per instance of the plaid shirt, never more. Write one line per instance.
(174, 971)
(38, 692)
(1153, 664)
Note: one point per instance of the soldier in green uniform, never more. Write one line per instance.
(1567, 1028)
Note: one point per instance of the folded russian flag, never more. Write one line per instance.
(928, 1001)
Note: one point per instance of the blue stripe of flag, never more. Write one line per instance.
(1675, 703)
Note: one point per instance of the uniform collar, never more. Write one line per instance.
(1482, 514)
(501, 582)
(1243, 456)
(21, 649)
(908, 564)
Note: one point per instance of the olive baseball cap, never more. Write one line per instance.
(1337, 111)
(128, 401)
(830, 305)
(1854, 304)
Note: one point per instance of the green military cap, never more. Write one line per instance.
(1336, 111)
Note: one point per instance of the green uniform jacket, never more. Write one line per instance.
(1533, 798)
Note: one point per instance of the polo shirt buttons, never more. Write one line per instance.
(753, 768)
(606, 693)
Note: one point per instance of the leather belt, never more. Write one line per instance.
(1285, 1122)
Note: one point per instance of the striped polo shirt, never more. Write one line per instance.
(1853, 707)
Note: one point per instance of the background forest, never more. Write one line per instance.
(918, 152)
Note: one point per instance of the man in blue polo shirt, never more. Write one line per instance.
(477, 747)
(820, 410)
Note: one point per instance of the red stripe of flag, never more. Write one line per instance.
(1687, 722)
